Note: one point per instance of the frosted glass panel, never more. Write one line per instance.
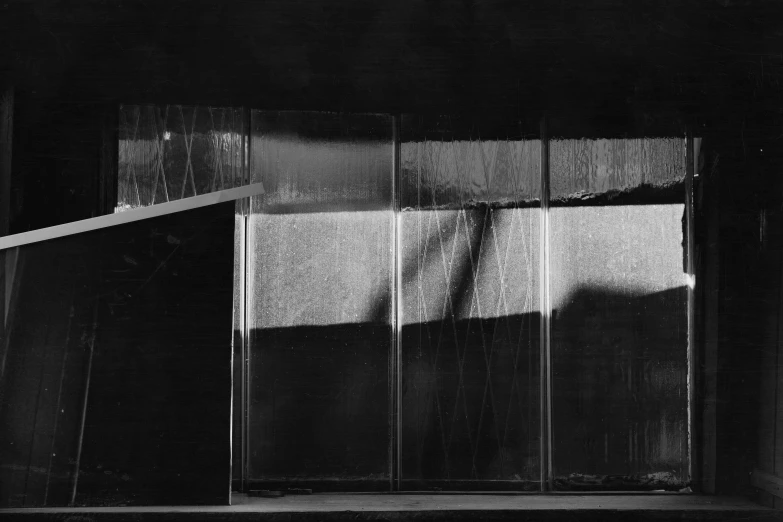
(319, 283)
(169, 152)
(470, 320)
(619, 327)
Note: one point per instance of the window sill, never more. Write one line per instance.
(331, 506)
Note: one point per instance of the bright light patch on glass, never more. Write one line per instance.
(633, 249)
(324, 268)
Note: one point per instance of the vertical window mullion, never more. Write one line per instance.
(246, 204)
(545, 390)
(690, 165)
(395, 373)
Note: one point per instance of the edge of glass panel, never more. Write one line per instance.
(545, 390)
(690, 166)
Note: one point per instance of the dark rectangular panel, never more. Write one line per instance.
(581, 169)
(320, 299)
(6, 151)
(44, 355)
(139, 316)
(470, 312)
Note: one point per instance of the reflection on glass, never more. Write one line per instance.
(470, 320)
(619, 327)
(169, 152)
(320, 306)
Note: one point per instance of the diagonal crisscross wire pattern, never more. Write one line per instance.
(470, 347)
(171, 152)
(160, 173)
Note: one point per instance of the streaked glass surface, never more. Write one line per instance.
(619, 327)
(461, 172)
(320, 273)
(599, 166)
(470, 311)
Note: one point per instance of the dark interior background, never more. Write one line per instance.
(607, 68)
(137, 317)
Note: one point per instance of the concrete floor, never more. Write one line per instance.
(430, 507)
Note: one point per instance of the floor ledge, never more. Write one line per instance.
(331, 506)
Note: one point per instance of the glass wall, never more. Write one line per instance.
(470, 308)
(387, 316)
(408, 309)
(344, 291)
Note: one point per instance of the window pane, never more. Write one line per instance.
(470, 296)
(592, 167)
(169, 152)
(320, 306)
(619, 326)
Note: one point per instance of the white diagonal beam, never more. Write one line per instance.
(120, 218)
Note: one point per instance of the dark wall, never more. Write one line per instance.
(600, 68)
(743, 163)
(601, 56)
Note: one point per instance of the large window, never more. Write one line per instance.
(426, 304)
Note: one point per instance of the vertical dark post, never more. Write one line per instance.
(709, 356)
(109, 166)
(771, 454)
(691, 279)
(6, 146)
(246, 210)
(777, 465)
(546, 356)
